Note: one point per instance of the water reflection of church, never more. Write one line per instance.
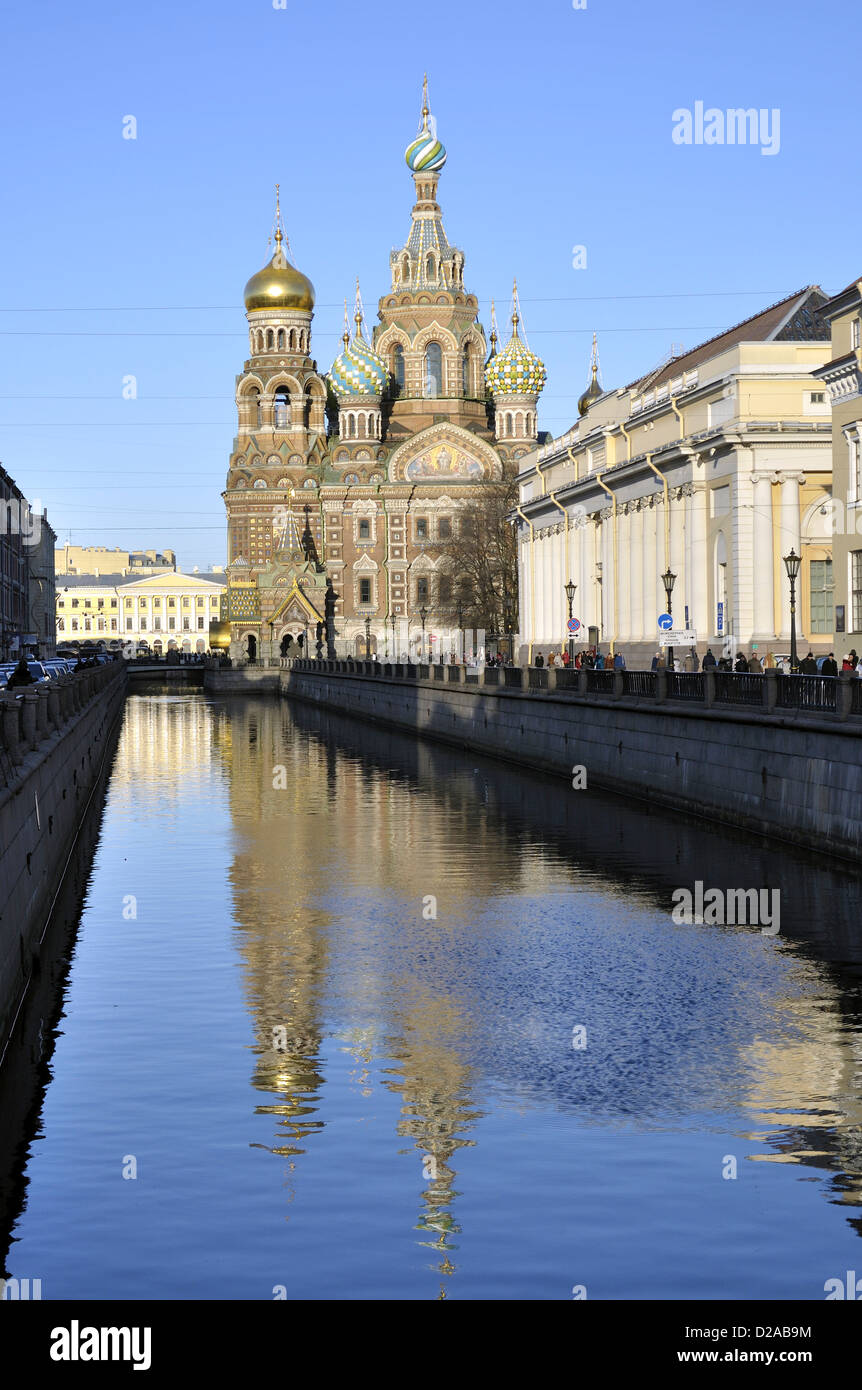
(362, 475)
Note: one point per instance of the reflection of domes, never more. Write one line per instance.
(516, 371)
(279, 285)
(591, 394)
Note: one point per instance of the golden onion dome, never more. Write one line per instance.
(592, 392)
(279, 285)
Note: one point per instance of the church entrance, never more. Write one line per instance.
(252, 648)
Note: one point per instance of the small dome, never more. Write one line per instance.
(358, 371)
(426, 154)
(279, 285)
(516, 371)
(591, 394)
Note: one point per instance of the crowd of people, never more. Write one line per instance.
(593, 659)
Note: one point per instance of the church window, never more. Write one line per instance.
(398, 365)
(365, 591)
(365, 529)
(433, 370)
(421, 528)
(444, 528)
(421, 590)
(270, 340)
(508, 424)
(260, 342)
(281, 340)
(362, 427)
(465, 375)
(429, 267)
(282, 408)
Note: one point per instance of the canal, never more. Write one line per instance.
(347, 1015)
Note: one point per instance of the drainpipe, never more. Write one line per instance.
(520, 512)
(551, 498)
(612, 496)
(663, 480)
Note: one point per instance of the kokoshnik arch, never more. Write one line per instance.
(359, 476)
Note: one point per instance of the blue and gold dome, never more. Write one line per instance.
(426, 154)
(516, 371)
(357, 370)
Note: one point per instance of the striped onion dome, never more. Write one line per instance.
(516, 371)
(426, 154)
(358, 371)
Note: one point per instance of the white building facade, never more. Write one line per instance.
(715, 466)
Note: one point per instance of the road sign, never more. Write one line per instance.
(574, 624)
(683, 637)
(665, 622)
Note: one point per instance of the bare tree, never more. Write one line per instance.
(482, 559)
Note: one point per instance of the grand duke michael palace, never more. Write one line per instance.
(358, 477)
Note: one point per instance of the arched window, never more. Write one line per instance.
(351, 426)
(509, 424)
(362, 427)
(281, 340)
(465, 375)
(405, 269)
(253, 408)
(260, 341)
(270, 340)
(398, 366)
(429, 267)
(282, 408)
(433, 370)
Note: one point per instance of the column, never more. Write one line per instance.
(608, 576)
(636, 583)
(677, 556)
(698, 575)
(790, 538)
(624, 534)
(763, 551)
(649, 616)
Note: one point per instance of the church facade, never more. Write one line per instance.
(356, 481)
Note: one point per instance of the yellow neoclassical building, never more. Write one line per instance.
(167, 609)
(712, 466)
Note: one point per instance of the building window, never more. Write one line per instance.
(186, 625)
(421, 528)
(444, 528)
(820, 596)
(433, 370)
(856, 333)
(854, 460)
(856, 589)
(74, 624)
(128, 625)
(465, 375)
(365, 591)
(398, 365)
(282, 408)
(200, 624)
(421, 590)
(59, 624)
(74, 603)
(143, 624)
(365, 530)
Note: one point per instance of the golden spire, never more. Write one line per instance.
(493, 327)
(345, 337)
(279, 234)
(594, 358)
(358, 311)
(516, 318)
(426, 110)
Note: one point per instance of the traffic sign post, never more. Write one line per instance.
(682, 637)
(665, 622)
(574, 625)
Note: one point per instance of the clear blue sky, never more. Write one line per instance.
(130, 256)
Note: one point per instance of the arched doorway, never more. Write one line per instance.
(251, 648)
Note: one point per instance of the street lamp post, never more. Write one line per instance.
(423, 614)
(668, 579)
(394, 650)
(791, 564)
(367, 639)
(570, 595)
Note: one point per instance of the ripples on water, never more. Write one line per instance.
(326, 1087)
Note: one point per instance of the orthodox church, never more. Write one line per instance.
(344, 489)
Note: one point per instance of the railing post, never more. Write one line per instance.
(618, 684)
(525, 677)
(29, 702)
(552, 678)
(12, 728)
(41, 713)
(844, 693)
(582, 682)
(709, 687)
(54, 706)
(770, 690)
(660, 685)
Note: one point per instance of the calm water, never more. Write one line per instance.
(322, 1086)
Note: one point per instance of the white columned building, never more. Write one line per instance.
(741, 437)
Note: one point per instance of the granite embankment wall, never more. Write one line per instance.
(790, 773)
(56, 744)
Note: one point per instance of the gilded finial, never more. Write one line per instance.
(426, 110)
(345, 337)
(279, 235)
(594, 360)
(516, 318)
(358, 310)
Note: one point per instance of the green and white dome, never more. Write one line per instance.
(357, 370)
(516, 371)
